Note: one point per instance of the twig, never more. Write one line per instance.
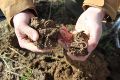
(8, 70)
(13, 73)
(2, 51)
(18, 68)
(15, 62)
(50, 9)
(6, 63)
(12, 60)
(17, 52)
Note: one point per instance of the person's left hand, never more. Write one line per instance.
(91, 22)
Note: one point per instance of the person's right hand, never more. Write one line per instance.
(25, 34)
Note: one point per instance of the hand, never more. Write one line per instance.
(90, 22)
(25, 34)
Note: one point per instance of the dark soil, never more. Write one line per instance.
(79, 45)
(47, 30)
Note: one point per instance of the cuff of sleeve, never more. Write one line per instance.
(16, 8)
(94, 3)
(109, 10)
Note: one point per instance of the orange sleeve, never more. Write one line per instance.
(109, 6)
(12, 7)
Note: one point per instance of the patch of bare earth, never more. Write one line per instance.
(20, 64)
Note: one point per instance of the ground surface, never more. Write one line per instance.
(20, 64)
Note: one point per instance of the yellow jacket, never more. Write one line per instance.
(109, 6)
(12, 7)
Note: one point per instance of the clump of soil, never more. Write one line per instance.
(48, 32)
(79, 45)
(48, 37)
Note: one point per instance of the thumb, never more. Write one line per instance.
(30, 32)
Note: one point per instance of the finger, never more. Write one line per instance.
(27, 44)
(30, 32)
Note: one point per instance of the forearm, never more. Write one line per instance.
(93, 13)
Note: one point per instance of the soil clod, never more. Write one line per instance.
(79, 45)
(47, 30)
